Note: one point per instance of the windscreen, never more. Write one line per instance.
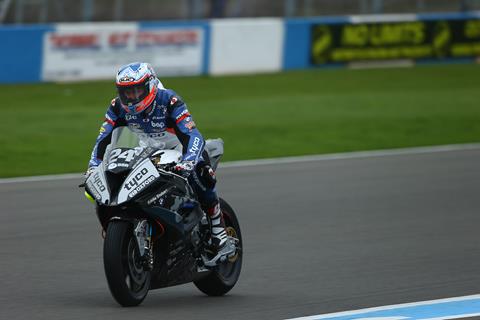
(124, 137)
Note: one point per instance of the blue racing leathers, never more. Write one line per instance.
(168, 114)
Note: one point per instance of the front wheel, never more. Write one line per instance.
(126, 277)
(224, 277)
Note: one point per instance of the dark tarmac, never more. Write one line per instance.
(319, 237)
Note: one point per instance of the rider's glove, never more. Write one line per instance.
(184, 168)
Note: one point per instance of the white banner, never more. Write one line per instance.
(246, 45)
(96, 51)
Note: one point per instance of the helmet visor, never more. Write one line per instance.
(131, 95)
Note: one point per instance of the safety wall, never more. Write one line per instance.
(21, 53)
(88, 51)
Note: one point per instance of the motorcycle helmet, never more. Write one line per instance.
(137, 86)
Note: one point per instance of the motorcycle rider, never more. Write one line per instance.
(146, 107)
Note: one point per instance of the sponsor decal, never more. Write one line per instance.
(141, 186)
(113, 102)
(98, 182)
(158, 196)
(78, 41)
(112, 166)
(195, 146)
(136, 179)
(183, 113)
(134, 125)
(102, 129)
(432, 39)
(173, 101)
(129, 117)
(96, 186)
(180, 37)
(152, 109)
(158, 124)
(94, 191)
(127, 79)
(93, 51)
(156, 135)
(190, 125)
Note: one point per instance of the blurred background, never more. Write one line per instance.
(272, 78)
(42, 11)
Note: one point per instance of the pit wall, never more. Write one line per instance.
(94, 51)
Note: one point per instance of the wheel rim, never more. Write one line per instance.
(232, 233)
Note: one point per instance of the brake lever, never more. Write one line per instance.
(169, 167)
(171, 172)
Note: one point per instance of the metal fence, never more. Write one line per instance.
(41, 11)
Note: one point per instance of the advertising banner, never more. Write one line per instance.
(96, 51)
(414, 40)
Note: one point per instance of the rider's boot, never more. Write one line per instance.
(221, 244)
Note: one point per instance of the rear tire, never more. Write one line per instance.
(128, 282)
(224, 277)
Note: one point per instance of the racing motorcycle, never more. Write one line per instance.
(155, 232)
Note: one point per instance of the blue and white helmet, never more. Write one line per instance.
(137, 86)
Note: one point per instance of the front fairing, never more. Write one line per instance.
(167, 202)
(130, 184)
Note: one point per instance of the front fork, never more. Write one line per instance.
(142, 232)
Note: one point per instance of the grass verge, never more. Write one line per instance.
(51, 128)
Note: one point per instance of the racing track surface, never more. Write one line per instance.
(320, 236)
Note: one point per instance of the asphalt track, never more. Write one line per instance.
(319, 237)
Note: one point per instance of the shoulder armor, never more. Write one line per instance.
(174, 101)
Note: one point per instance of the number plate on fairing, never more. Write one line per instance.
(139, 179)
(121, 159)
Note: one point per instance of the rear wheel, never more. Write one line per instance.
(224, 277)
(126, 277)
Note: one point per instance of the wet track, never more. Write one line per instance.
(319, 237)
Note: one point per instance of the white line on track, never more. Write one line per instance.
(359, 314)
(286, 160)
(352, 155)
(53, 177)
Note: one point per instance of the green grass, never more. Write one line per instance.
(51, 128)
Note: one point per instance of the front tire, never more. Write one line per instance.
(128, 281)
(224, 277)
